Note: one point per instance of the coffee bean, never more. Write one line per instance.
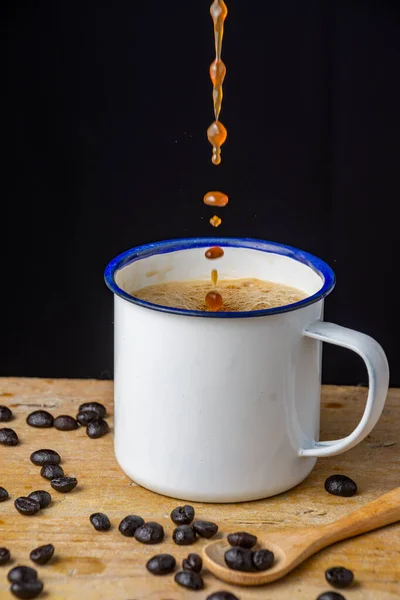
(45, 457)
(331, 596)
(100, 409)
(183, 535)
(8, 437)
(4, 556)
(100, 521)
(42, 497)
(205, 529)
(18, 574)
(96, 429)
(65, 423)
(129, 525)
(339, 577)
(192, 563)
(64, 484)
(263, 559)
(26, 506)
(86, 416)
(183, 515)
(40, 418)
(340, 485)
(222, 596)
(27, 589)
(189, 579)
(3, 494)
(52, 471)
(242, 539)
(150, 533)
(161, 564)
(239, 559)
(42, 555)
(5, 414)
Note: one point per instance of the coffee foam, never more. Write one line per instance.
(239, 295)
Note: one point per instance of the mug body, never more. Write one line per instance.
(214, 407)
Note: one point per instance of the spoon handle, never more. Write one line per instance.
(382, 511)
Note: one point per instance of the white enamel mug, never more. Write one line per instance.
(225, 407)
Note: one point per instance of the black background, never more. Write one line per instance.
(108, 105)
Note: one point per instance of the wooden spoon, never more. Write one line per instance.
(293, 547)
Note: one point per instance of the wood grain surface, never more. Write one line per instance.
(93, 565)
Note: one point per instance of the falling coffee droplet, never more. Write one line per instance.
(214, 301)
(218, 11)
(216, 199)
(214, 252)
(215, 221)
(216, 134)
(217, 76)
(217, 72)
(214, 277)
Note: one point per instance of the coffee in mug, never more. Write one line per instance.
(244, 294)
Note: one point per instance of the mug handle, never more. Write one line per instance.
(378, 373)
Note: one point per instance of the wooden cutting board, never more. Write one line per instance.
(92, 565)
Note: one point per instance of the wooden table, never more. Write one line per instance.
(92, 565)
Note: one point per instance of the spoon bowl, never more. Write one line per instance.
(213, 558)
(292, 546)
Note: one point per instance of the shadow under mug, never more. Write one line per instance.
(225, 407)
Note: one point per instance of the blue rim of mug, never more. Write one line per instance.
(320, 267)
